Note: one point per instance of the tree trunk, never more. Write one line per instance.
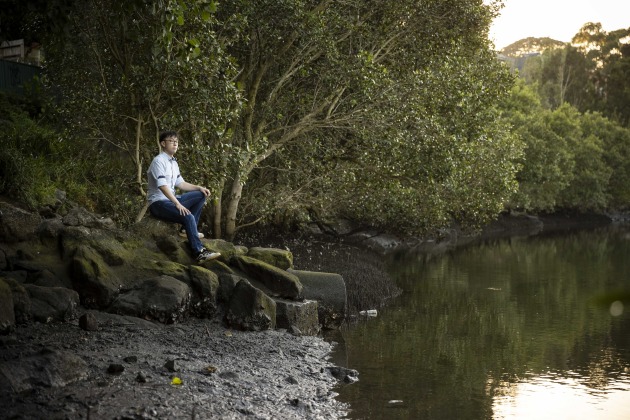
(230, 216)
(137, 160)
(217, 213)
(141, 213)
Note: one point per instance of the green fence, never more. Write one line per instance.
(17, 78)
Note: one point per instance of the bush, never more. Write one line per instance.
(26, 161)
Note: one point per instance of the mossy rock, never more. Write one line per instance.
(241, 249)
(21, 301)
(162, 298)
(280, 258)
(216, 266)
(72, 238)
(227, 283)
(205, 287)
(91, 277)
(225, 248)
(172, 247)
(161, 267)
(113, 252)
(278, 282)
(250, 309)
(149, 226)
(7, 316)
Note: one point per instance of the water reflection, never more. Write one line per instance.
(554, 397)
(494, 330)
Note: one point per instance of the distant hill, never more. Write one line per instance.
(530, 46)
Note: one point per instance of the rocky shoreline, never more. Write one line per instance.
(100, 323)
(131, 367)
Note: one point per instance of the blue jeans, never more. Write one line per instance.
(193, 201)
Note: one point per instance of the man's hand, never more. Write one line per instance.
(205, 191)
(182, 210)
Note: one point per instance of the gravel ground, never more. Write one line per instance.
(224, 374)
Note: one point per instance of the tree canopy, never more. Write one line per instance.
(381, 112)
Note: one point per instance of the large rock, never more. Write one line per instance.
(150, 226)
(225, 248)
(205, 287)
(17, 225)
(162, 298)
(329, 290)
(217, 266)
(93, 279)
(21, 301)
(227, 283)
(280, 258)
(4, 262)
(103, 242)
(46, 278)
(279, 283)
(7, 316)
(48, 368)
(171, 246)
(300, 315)
(250, 309)
(79, 216)
(72, 238)
(163, 267)
(52, 303)
(110, 249)
(49, 230)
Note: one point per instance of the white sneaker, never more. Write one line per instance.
(182, 233)
(207, 255)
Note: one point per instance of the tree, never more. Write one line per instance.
(128, 70)
(615, 142)
(609, 56)
(616, 74)
(397, 96)
(337, 100)
(547, 164)
(587, 189)
(562, 75)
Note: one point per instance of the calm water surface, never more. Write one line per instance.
(527, 328)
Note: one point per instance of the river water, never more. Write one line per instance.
(525, 328)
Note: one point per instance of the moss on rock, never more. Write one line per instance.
(280, 258)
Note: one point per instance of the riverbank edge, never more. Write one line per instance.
(268, 375)
(504, 226)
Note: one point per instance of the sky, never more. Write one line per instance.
(556, 19)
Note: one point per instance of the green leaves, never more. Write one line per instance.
(379, 111)
(571, 160)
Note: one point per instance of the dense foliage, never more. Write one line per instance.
(570, 108)
(395, 115)
(381, 112)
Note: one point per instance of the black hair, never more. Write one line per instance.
(167, 134)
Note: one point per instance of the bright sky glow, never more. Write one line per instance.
(556, 19)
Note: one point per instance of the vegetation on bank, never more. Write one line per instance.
(393, 115)
(571, 108)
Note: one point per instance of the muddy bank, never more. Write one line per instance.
(363, 269)
(130, 367)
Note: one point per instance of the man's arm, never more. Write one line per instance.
(185, 186)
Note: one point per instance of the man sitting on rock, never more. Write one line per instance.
(164, 204)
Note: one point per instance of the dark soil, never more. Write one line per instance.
(224, 374)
